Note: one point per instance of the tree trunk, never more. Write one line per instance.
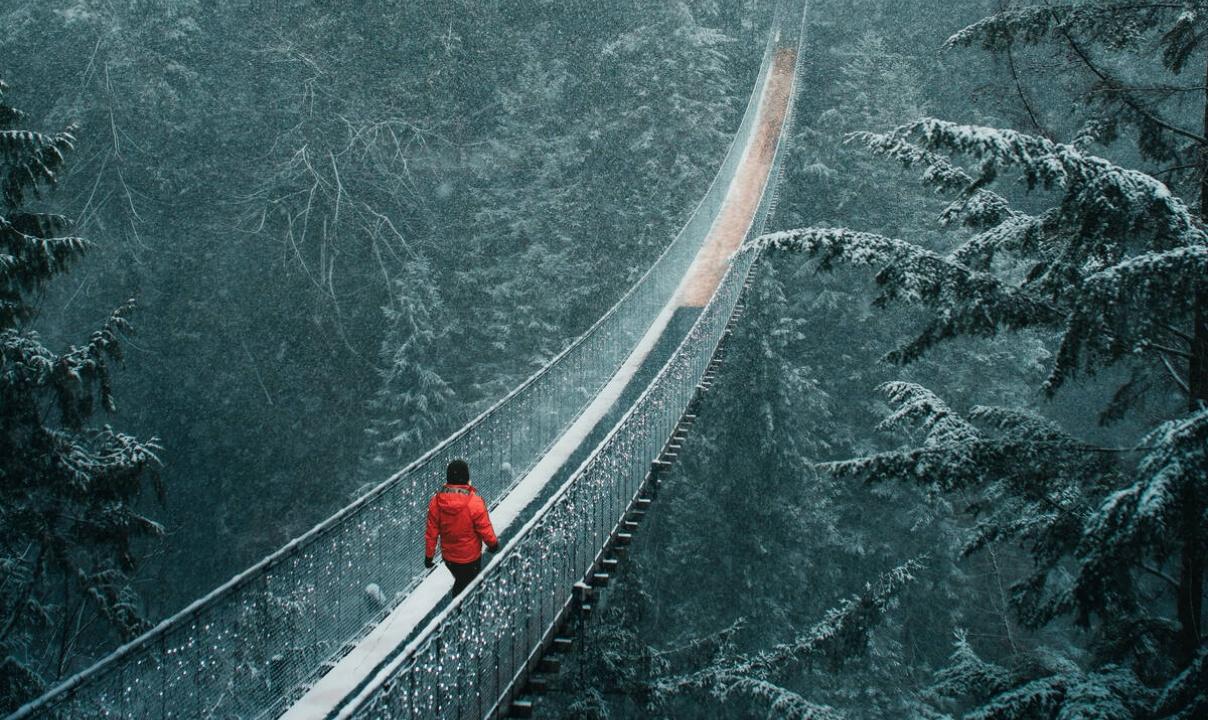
(1197, 379)
(1191, 573)
(1191, 584)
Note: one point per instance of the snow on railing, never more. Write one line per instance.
(245, 649)
(467, 660)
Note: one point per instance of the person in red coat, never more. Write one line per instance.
(458, 517)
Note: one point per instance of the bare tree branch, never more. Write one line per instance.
(1167, 350)
(1131, 102)
(1174, 375)
(1158, 573)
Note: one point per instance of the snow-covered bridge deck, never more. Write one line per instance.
(358, 666)
(361, 673)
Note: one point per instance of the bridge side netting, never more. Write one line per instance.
(246, 649)
(464, 666)
(468, 658)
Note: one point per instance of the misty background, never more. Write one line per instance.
(350, 229)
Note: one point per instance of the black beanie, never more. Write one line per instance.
(458, 473)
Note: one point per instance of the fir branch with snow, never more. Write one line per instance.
(70, 517)
(1114, 268)
(843, 634)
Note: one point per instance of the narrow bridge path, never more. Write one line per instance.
(389, 636)
(353, 671)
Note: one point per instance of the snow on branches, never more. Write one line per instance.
(918, 404)
(967, 674)
(1148, 519)
(1114, 261)
(1184, 696)
(1176, 30)
(1115, 23)
(968, 302)
(1113, 265)
(1126, 308)
(1176, 465)
(1024, 479)
(1114, 694)
(1109, 204)
(68, 517)
(1027, 480)
(842, 633)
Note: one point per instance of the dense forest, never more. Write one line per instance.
(255, 256)
(950, 468)
(335, 233)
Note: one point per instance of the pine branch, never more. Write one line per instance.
(1023, 97)
(967, 674)
(1126, 304)
(844, 631)
(971, 302)
(1150, 345)
(1118, 90)
(1185, 696)
(1116, 23)
(917, 404)
(1168, 89)
(783, 703)
(1145, 518)
(1185, 337)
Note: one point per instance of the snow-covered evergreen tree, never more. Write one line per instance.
(842, 636)
(411, 410)
(1170, 36)
(69, 492)
(1158, 36)
(1114, 268)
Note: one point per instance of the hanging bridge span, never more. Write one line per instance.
(345, 622)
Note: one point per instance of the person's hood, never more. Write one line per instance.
(455, 501)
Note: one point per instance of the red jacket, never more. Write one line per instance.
(459, 517)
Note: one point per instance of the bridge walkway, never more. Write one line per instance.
(351, 680)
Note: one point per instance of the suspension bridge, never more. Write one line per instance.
(345, 622)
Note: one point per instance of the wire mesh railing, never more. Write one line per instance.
(244, 649)
(463, 665)
(467, 659)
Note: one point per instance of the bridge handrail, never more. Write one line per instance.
(382, 695)
(188, 619)
(410, 684)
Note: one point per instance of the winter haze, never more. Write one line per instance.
(809, 359)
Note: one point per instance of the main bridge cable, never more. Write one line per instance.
(156, 639)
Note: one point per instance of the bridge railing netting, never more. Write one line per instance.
(465, 661)
(464, 666)
(246, 649)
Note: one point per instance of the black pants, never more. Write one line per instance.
(463, 574)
